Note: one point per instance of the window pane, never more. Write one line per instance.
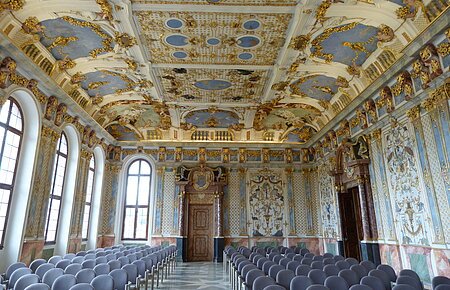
(4, 112)
(128, 224)
(89, 189)
(4, 201)
(141, 226)
(84, 231)
(134, 168)
(15, 120)
(92, 164)
(63, 146)
(52, 220)
(144, 190)
(132, 187)
(145, 168)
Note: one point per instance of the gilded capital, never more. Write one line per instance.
(413, 113)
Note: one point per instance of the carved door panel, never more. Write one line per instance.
(200, 241)
(351, 223)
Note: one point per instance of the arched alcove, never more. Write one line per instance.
(25, 168)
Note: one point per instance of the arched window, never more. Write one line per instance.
(88, 202)
(137, 199)
(10, 141)
(54, 204)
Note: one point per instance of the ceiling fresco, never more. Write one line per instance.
(212, 118)
(213, 85)
(283, 68)
(72, 38)
(212, 38)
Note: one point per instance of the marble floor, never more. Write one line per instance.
(201, 275)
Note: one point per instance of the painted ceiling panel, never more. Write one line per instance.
(122, 133)
(73, 38)
(212, 119)
(318, 87)
(300, 135)
(212, 85)
(212, 38)
(348, 44)
(101, 83)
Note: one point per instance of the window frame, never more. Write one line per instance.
(89, 203)
(4, 186)
(52, 196)
(136, 206)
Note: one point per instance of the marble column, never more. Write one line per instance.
(37, 211)
(76, 223)
(182, 239)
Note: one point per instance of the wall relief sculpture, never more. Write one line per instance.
(266, 200)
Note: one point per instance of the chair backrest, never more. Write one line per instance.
(300, 283)
(267, 265)
(85, 275)
(369, 265)
(361, 271)
(16, 275)
(328, 255)
(38, 286)
(51, 276)
(284, 278)
(13, 267)
(302, 270)
(373, 282)
(55, 259)
(336, 283)
(69, 256)
(101, 260)
(317, 287)
(349, 276)
(89, 257)
(132, 272)
(101, 269)
(81, 254)
(342, 265)
(251, 276)
(438, 280)
(82, 286)
(63, 264)
(290, 256)
(304, 251)
(404, 287)
(352, 261)
(262, 282)
(413, 282)
(292, 265)
(283, 262)
(298, 257)
(361, 287)
(123, 261)
(72, 269)
(277, 259)
(110, 257)
(309, 255)
(36, 263)
(64, 282)
(25, 281)
(338, 258)
(273, 271)
(120, 278)
(78, 260)
(317, 265)
(114, 264)
(442, 287)
(261, 262)
(317, 276)
(306, 261)
(274, 287)
(382, 276)
(329, 261)
(410, 273)
(141, 267)
(88, 264)
(42, 269)
(331, 270)
(103, 282)
(317, 258)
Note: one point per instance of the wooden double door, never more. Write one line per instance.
(200, 233)
(351, 222)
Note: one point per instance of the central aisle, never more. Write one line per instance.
(200, 275)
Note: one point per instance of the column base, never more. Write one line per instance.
(219, 246)
(371, 251)
(182, 249)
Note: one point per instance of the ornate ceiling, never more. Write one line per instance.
(163, 70)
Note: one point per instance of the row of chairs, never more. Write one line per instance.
(260, 268)
(117, 267)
